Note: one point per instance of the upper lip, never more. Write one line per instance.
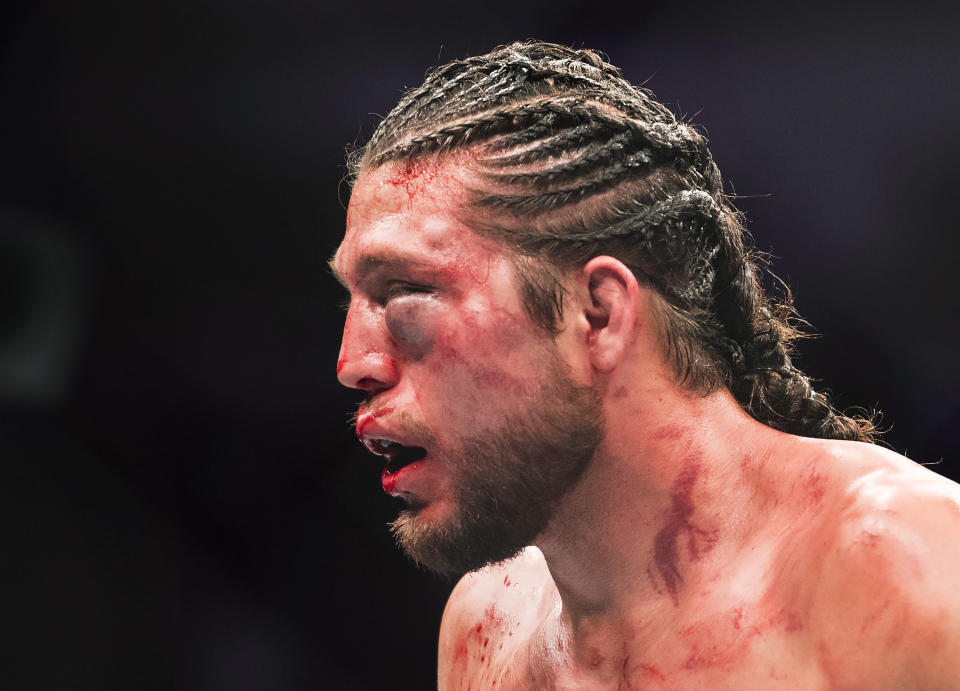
(396, 450)
(374, 433)
(375, 444)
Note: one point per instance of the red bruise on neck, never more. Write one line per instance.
(815, 487)
(668, 432)
(666, 555)
(594, 658)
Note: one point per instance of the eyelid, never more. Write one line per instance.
(392, 289)
(397, 288)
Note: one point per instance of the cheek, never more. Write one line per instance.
(482, 357)
(491, 360)
(413, 321)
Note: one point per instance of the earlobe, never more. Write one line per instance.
(612, 312)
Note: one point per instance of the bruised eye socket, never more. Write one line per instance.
(411, 315)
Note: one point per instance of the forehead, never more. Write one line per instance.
(411, 213)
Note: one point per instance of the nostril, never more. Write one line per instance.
(370, 385)
(369, 371)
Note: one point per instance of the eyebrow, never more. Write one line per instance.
(371, 263)
(332, 265)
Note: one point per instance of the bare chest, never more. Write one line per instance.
(726, 650)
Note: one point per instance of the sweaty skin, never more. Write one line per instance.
(701, 549)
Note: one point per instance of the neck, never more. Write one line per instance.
(667, 503)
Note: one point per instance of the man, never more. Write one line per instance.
(581, 391)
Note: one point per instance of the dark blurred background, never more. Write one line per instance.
(183, 503)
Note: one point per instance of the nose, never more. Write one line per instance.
(365, 360)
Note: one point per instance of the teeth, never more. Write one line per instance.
(384, 444)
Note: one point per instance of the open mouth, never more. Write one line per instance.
(397, 455)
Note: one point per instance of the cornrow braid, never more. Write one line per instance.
(572, 68)
(611, 174)
(553, 145)
(572, 161)
(582, 162)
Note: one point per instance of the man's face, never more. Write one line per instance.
(481, 427)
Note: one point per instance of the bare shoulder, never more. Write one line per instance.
(491, 613)
(885, 600)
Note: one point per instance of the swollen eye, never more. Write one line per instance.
(412, 321)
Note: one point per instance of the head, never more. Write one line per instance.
(481, 422)
(562, 161)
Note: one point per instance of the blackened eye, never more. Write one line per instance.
(412, 321)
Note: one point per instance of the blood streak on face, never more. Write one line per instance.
(413, 176)
(365, 419)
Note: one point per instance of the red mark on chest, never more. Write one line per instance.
(506, 581)
(793, 623)
(720, 641)
(652, 671)
(786, 620)
(472, 647)
(666, 545)
(723, 641)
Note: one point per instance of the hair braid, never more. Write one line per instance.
(574, 161)
(763, 376)
(554, 145)
(611, 174)
(588, 159)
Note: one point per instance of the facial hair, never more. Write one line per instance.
(508, 481)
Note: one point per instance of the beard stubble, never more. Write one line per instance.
(508, 481)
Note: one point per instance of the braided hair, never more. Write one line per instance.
(572, 162)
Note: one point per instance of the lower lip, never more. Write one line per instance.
(394, 483)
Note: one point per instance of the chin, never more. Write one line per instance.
(436, 538)
(427, 515)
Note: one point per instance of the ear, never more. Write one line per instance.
(612, 311)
